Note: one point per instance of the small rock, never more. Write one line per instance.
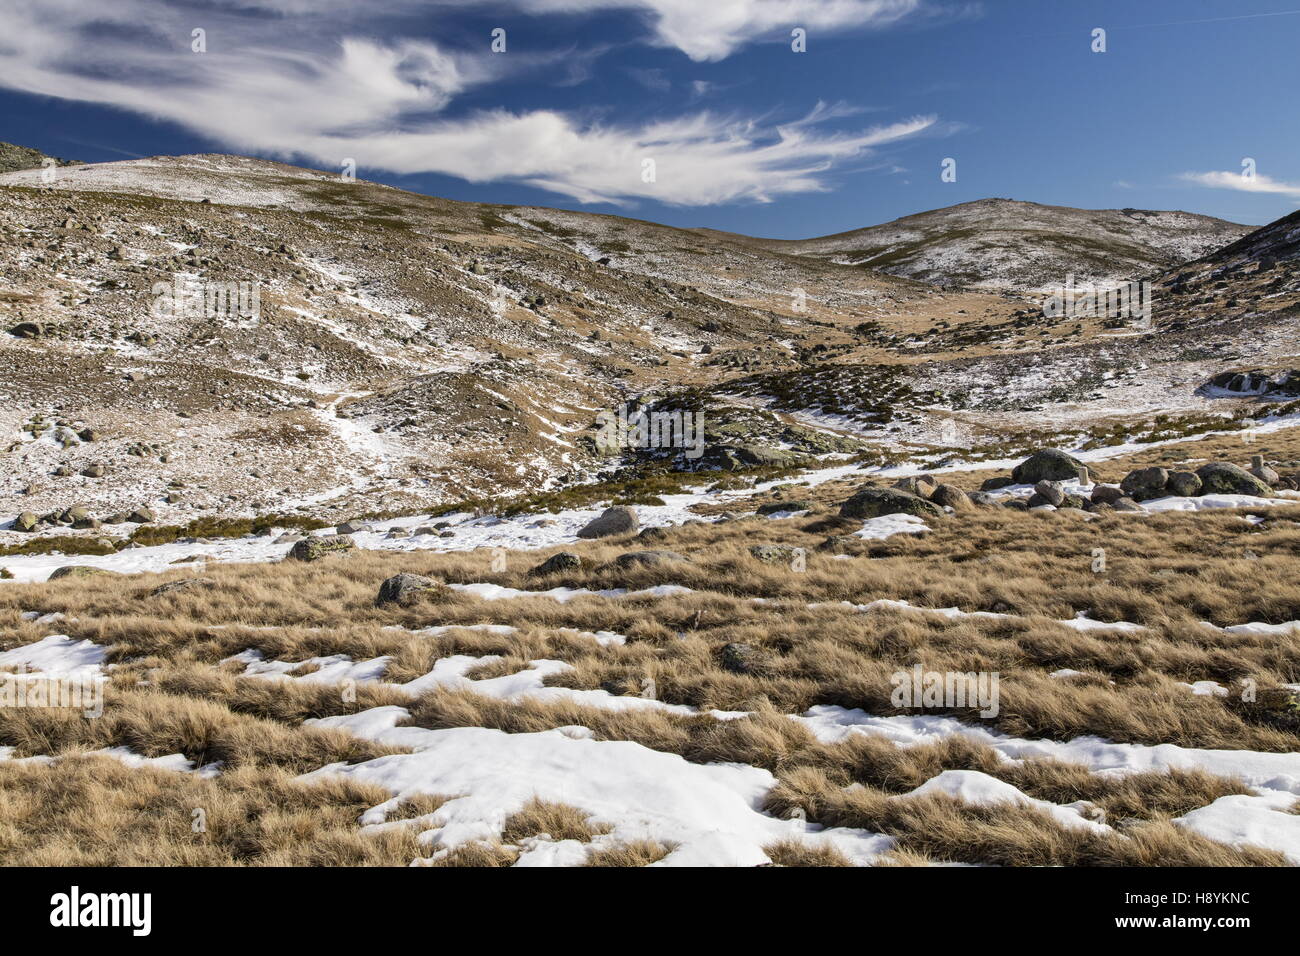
(557, 563)
(402, 587)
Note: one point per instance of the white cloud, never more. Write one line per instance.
(299, 85)
(714, 29)
(1259, 183)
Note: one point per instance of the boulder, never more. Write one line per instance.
(997, 483)
(874, 502)
(1106, 494)
(352, 527)
(1073, 501)
(617, 520)
(1225, 478)
(1265, 474)
(1053, 492)
(26, 522)
(184, 584)
(950, 496)
(920, 485)
(1050, 464)
(315, 548)
(28, 330)
(557, 563)
(1126, 504)
(1145, 483)
(93, 471)
(772, 553)
(400, 588)
(141, 515)
(982, 499)
(78, 571)
(1184, 483)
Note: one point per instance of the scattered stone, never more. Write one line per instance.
(1050, 464)
(874, 502)
(558, 563)
(141, 515)
(920, 485)
(79, 571)
(93, 471)
(314, 548)
(1224, 478)
(400, 588)
(617, 520)
(1053, 492)
(740, 658)
(773, 553)
(1265, 474)
(1106, 494)
(28, 330)
(1145, 483)
(1184, 484)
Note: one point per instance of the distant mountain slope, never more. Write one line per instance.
(1022, 246)
(24, 157)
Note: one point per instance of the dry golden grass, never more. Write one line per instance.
(169, 692)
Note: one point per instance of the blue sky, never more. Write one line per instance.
(745, 134)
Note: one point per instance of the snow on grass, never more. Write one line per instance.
(495, 592)
(57, 656)
(709, 813)
(980, 789)
(1241, 820)
(449, 673)
(879, 528)
(1270, 771)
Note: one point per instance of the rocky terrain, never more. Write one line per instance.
(1023, 246)
(405, 353)
(448, 534)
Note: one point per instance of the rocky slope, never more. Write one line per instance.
(407, 351)
(1023, 246)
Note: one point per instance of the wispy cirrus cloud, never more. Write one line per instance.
(302, 78)
(1259, 183)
